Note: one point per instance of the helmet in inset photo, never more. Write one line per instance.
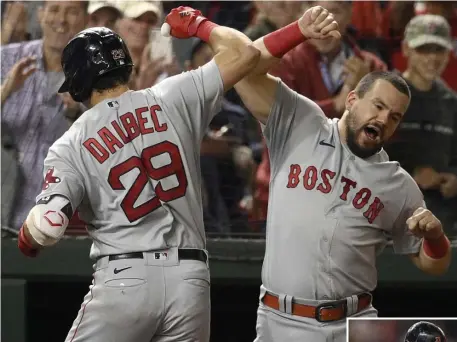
(425, 332)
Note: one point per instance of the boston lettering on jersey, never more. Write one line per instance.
(311, 178)
(144, 121)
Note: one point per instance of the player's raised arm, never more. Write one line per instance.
(235, 54)
(258, 89)
(62, 193)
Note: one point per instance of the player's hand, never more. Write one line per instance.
(448, 187)
(182, 22)
(424, 224)
(17, 76)
(427, 178)
(354, 70)
(318, 23)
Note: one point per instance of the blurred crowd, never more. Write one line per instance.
(393, 330)
(418, 39)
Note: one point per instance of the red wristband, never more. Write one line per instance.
(25, 246)
(204, 30)
(281, 41)
(437, 248)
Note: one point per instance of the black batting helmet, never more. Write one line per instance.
(90, 54)
(425, 332)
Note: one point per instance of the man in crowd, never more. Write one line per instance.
(140, 17)
(448, 10)
(426, 141)
(32, 111)
(103, 14)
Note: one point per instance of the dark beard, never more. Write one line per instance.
(354, 147)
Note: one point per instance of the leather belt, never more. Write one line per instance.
(325, 312)
(183, 254)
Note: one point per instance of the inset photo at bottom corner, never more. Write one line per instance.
(402, 330)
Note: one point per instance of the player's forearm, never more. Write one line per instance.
(223, 38)
(235, 54)
(272, 47)
(432, 263)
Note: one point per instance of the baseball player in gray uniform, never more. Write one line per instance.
(335, 198)
(131, 165)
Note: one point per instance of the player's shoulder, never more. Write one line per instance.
(409, 185)
(69, 141)
(302, 104)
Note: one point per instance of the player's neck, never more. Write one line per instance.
(417, 81)
(99, 96)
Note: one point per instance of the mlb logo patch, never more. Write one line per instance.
(113, 104)
(160, 256)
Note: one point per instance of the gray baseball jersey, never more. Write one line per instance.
(131, 165)
(330, 213)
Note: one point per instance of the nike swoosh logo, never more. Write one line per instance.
(116, 271)
(322, 142)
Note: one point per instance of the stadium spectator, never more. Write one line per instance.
(326, 71)
(272, 15)
(31, 107)
(226, 160)
(426, 140)
(448, 10)
(14, 22)
(103, 13)
(139, 18)
(379, 25)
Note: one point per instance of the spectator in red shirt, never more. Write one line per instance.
(326, 71)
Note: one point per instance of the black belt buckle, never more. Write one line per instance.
(334, 305)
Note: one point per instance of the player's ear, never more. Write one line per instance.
(350, 99)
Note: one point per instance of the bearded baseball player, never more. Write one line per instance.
(335, 198)
(131, 166)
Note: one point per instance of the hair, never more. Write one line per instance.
(112, 79)
(366, 83)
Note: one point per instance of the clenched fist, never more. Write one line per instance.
(424, 224)
(318, 23)
(182, 22)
